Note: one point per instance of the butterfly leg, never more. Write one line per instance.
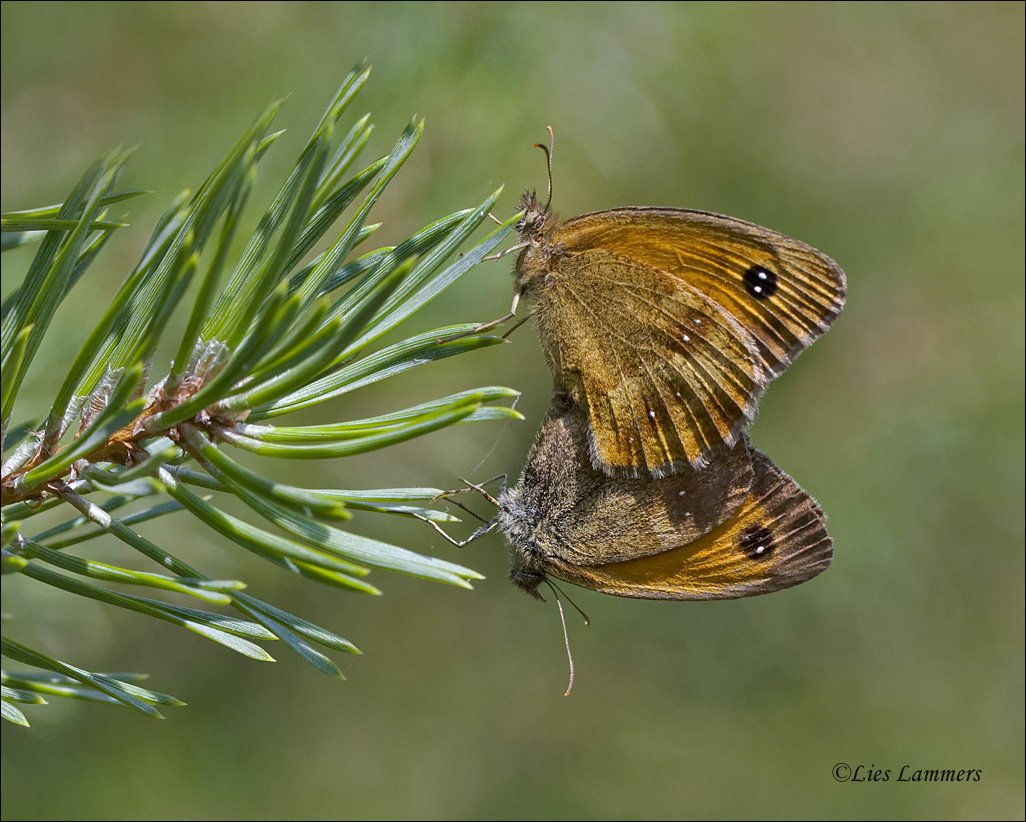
(489, 325)
(479, 488)
(480, 532)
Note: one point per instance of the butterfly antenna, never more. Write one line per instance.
(566, 642)
(548, 158)
(566, 636)
(584, 616)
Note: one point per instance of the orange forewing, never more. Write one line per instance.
(668, 324)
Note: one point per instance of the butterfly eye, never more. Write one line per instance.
(760, 282)
(756, 542)
(527, 581)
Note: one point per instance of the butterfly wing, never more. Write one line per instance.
(776, 539)
(669, 324)
(565, 511)
(784, 292)
(564, 507)
(666, 374)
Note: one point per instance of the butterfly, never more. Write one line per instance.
(736, 528)
(667, 324)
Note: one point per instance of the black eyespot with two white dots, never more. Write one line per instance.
(760, 282)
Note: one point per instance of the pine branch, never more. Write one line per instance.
(273, 334)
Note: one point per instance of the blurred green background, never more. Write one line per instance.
(888, 135)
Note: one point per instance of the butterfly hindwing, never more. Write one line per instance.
(564, 507)
(776, 539)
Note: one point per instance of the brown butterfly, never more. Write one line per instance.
(738, 527)
(668, 324)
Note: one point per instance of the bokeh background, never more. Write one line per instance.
(888, 135)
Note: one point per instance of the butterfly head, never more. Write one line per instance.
(526, 537)
(526, 564)
(538, 222)
(536, 229)
(527, 580)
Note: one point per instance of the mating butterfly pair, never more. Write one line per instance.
(662, 327)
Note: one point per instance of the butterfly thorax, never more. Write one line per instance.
(536, 229)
